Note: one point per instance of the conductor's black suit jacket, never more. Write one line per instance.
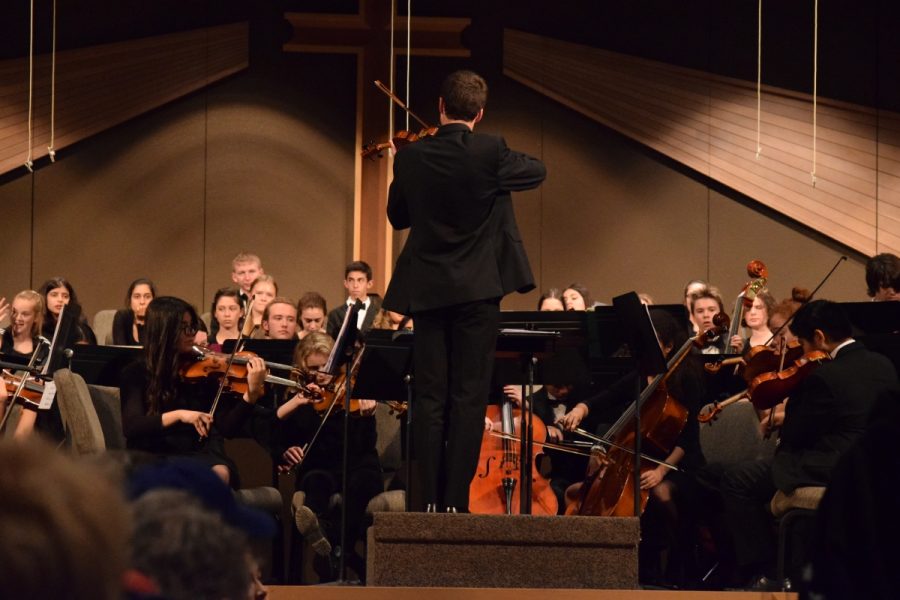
(453, 191)
(827, 413)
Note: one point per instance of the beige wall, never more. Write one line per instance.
(616, 217)
(255, 163)
(264, 162)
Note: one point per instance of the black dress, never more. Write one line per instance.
(123, 332)
(145, 432)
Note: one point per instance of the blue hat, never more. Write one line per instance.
(200, 481)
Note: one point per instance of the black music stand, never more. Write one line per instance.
(526, 346)
(342, 353)
(102, 365)
(59, 356)
(385, 373)
(644, 343)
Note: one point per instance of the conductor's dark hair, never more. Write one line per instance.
(882, 271)
(464, 94)
(825, 315)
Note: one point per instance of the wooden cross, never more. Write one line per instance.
(367, 34)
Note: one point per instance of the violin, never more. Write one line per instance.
(333, 395)
(401, 138)
(495, 488)
(215, 364)
(31, 392)
(770, 389)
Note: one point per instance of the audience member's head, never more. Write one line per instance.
(245, 268)
(141, 293)
(577, 297)
(883, 277)
(551, 300)
(279, 320)
(63, 526)
(187, 550)
(358, 280)
(821, 325)
(312, 310)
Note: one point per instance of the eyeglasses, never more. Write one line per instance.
(188, 328)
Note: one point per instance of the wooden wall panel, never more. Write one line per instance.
(709, 123)
(101, 86)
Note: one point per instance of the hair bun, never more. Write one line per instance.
(800, 295)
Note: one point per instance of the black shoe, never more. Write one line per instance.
(764, 584)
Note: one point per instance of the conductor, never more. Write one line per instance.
(463, 254)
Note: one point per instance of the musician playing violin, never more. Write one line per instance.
(825, 413)
(164, 414)
(319, 466)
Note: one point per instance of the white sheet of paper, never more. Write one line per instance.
(48, 396)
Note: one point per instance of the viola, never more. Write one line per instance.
(333, 395)
(770, 389)
(496, 488)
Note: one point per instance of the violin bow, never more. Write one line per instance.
(238, 343)
(811, 296)
(399, 102)
(29, 368)
(606, 442)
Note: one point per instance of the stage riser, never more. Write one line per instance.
(440, 550)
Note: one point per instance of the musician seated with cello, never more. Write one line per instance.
(706, 303)
(319, 464)
(826, 411)
(164, 413)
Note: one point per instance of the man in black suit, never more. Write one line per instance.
(463, 254)
(357, 282)
(824, 415)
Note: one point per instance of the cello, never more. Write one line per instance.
(608, 487)
(495, 489)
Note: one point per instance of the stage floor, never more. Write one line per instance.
(333, 592)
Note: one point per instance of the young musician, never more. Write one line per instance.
(320, 465)
(551, 300)
(705, 305)
(279, 320)
(756, 318)
(577, 297)
(463, 254)
(825, 413)
(312, 310)
(166, 415)
(128, 323)
(883, 277)
(245, 269)
(262, 291)
(227, 313)
(357, 282)
(58, 292)
(24, 334)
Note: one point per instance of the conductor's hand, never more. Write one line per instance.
(514, 393)
(367, 408)
(292, 456)
(572, 419)
(200, 420)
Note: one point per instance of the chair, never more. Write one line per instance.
(84, 433)
(207, 320)
(734, 437)
(103, 325)
(793, 510)
(109, 411)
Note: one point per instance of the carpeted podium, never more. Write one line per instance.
(461, 550)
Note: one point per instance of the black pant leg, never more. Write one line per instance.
(472, 343)
(431, 386)
(746, 491)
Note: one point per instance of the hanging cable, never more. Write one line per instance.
(392, 75)
(408, 53)
(815, 88)
(758, 78)
(51, 151)
(29, 163)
